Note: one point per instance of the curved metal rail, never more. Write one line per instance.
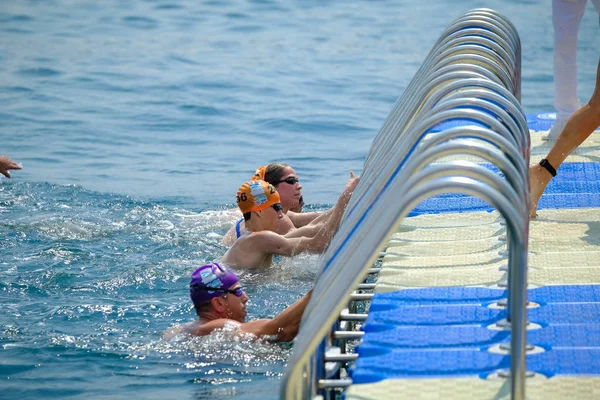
(472, 73)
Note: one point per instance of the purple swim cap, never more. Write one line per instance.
(208, 276)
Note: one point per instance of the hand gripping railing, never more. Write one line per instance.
(472, 73)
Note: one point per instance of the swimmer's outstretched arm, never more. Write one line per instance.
(334, 217)
(302, 219)
(312, 218)
(322, 217)
(291, 245)
(283, 327)
(307, 231)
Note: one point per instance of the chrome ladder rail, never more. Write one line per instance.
(472, 72)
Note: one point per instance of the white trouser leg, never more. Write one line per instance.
(566, 18)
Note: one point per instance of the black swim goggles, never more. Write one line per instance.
(238, 292)
(290, 180)
(277, 207)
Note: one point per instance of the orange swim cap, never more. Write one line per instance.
(256, 196)
(259, 174)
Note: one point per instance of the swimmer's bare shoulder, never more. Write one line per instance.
(268, 243)
(197, 328)
(250, 251)
(260, 328)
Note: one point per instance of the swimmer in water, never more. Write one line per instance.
(260, 204)
(286, 182)
(219, 300)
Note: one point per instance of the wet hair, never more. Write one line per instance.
(274, 172)
(247, 216)
(203, 307)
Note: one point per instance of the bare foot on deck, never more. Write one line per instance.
(538, 180)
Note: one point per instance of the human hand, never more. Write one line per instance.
(349, 189)
(5, 164)
(352, 183)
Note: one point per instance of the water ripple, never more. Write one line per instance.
(140, 22)
(15, 18)
(201, 110)
(39, 72)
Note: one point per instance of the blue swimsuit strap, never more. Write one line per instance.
(237, 228)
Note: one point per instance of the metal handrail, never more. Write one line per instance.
(468, 169)
(483, 19)
(476, 132)
(464, 76)
(443, 75)
(399, 152)
(507, 100)
(406, 176)
(511, 107)
(489, 20)
(494, 22)
(525, 150)
(462, 56)
(444, 169)
(293, 384)
(430, 152)
(463, 45)
(398, 122)
(506, 33)
(485, 33)
(452, 103)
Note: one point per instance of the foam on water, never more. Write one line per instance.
(96, 278)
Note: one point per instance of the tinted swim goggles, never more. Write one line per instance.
(276, 207)
(290, 180)
(237, 291)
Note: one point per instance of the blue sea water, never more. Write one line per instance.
(136, 122)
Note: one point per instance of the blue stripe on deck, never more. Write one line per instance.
(479, 295)
(476, 314)
(443, 332)
(540, 122)
(469, 336)
(391, 363)
(577, 185)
